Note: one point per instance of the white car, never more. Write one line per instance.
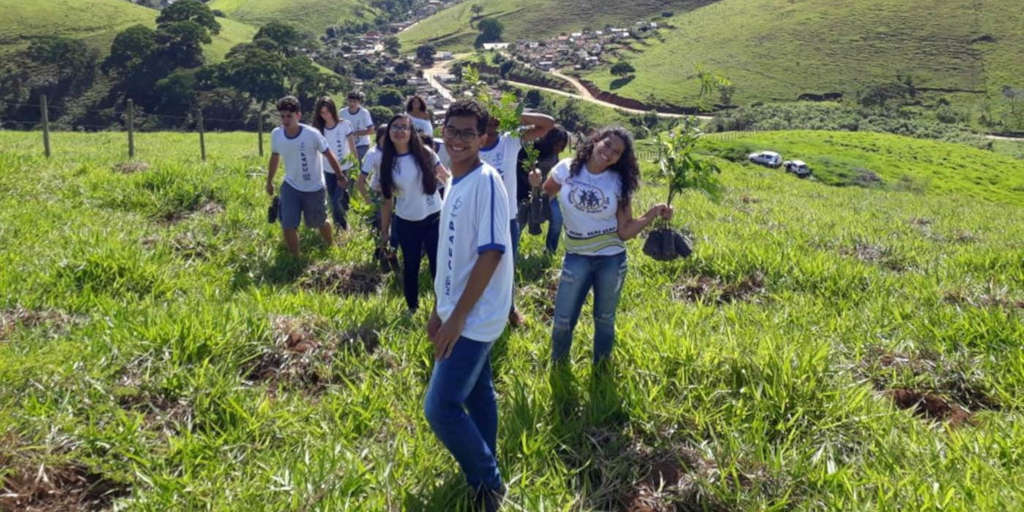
(798, 167)
(766, 158)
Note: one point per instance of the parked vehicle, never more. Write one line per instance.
(798, 167)
(766, 158)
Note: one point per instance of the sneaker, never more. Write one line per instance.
(516, 319)
(488, 500)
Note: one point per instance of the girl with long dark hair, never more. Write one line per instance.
(595, 190)
(339, 135)
(408, 181)
(416, 107)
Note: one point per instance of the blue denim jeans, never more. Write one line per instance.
(337, 198)
(606, 274)
(463, 412)
(554, 226)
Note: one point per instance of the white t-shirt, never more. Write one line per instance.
(503, 156)
(589, 203)
(302, 155)
(337, 138)
(361, 120)
(423, 126)
(442, 154)
(371, 161)
(411, 203)
(475, 219)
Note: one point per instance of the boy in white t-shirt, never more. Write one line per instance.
(501, 151)
(302, 192)
(473, 287)
(361, 121)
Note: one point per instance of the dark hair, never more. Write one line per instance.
(626, 167)
(318, 120)
(416, 97)
(382, 131)
(289, 104)
(469, 108)
(548, 144)
(357, 95)
(424, 160)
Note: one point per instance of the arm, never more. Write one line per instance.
(333, 160)
(541, 125)
(629, 227)
(271, 171)
(361, 186)
(448, 333)
(551, 186)
(352, 149)
(442, 173)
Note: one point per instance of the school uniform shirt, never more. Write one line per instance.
(474, 219)
(589, 203)
(360, 120)
(371, 161)
(302, 155)
(411, 203)
(503, 156)
(337, 138)
(442, 154)
(422, 126)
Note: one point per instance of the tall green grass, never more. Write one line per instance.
(765, 391)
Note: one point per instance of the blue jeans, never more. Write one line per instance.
(554, 226)
(338, 199)
(460, 384)
(606, 274)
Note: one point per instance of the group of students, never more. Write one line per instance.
(456, 201)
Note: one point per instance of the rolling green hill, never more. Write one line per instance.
(451, 28)
(779, 49)
(312, 16)
(96, 22)
(157, 345)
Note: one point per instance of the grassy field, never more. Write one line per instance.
(312, 16)
(779, 49)
(156, 343)
(96, 22)
(451, 28)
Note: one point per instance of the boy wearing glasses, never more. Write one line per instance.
(473, 287)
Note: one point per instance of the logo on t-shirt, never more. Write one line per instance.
(588, 198)
(306, 176)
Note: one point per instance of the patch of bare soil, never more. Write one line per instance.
(952, 393)
(929, 405)
(705, 288)
(876, 254)
(32, 484)
(303, 351)
(350, 279)
(991, 296)
(131, 167)
(206, 208)
(58, 321)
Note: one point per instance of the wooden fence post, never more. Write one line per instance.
(46, 126)
(202, 137)
(259, 131)
(131, 129)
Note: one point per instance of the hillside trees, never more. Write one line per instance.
(490, 31)
(58, 67)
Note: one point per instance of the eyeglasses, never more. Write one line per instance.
(463, 135)
(400, 128)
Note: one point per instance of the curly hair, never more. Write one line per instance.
(626, 166)
(389, 158)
